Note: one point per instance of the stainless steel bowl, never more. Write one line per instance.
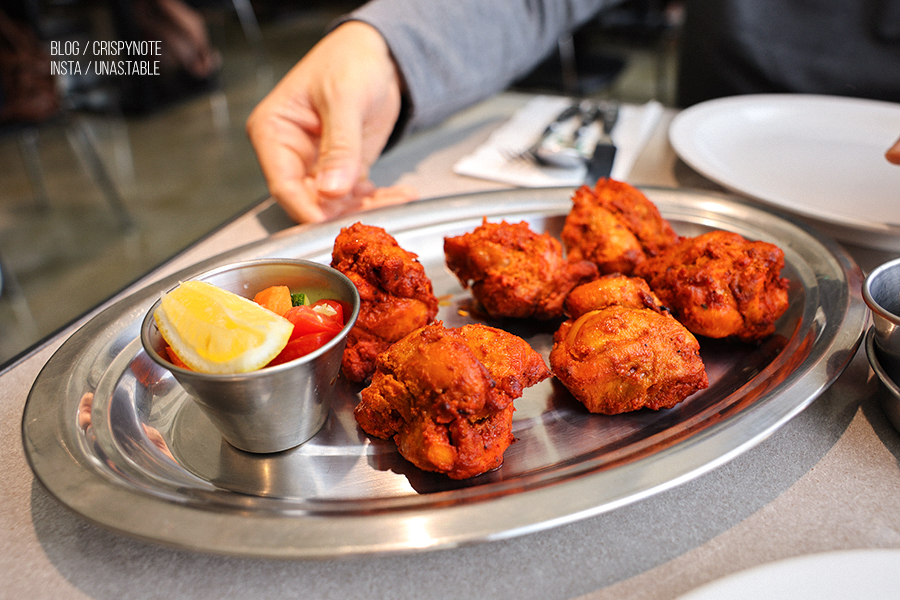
(881, 292)
(890, 403)
(278, 407)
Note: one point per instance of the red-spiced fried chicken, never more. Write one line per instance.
(721, 285)
(513, 271)
(445, 396)
(619, 356)
(615, 226)
(395, 293)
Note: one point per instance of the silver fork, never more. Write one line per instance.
(569, 151)
(586, 147)
(530, 155)
(524, 157)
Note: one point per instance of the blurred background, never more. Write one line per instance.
(104, 177)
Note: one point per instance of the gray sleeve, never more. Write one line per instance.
(453, 53)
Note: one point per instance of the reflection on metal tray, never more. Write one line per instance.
(115, 438)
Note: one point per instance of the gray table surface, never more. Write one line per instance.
(828, 480)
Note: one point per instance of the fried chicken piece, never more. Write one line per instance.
(615, 226)
(613, 289)
(396, 295)
(721, 285)
(617, 358)
(446, 396)
(513, 271)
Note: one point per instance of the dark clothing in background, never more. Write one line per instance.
(836, 47)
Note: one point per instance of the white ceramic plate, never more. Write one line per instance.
(857, 574)
(820, 157)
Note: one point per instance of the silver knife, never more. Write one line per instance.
(601, 161)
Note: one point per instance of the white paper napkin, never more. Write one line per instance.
(492, 160)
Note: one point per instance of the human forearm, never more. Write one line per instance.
(453, 53)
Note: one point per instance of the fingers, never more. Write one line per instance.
(365, 196)
(388, 196)
(326, 122)
(300, 200)
(893, 153)
(340, 152)
(357, 110)
(286, 149)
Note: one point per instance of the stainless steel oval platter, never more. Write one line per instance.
(114, 437)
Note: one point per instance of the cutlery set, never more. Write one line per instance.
(578, 136)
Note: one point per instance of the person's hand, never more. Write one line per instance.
(893, 153)
(326, 122)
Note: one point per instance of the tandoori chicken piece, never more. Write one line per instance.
(721, 285)
(614, 289)
(617, 358)
(445, 396)
(515, 272)
(396, 295)
(615, 226)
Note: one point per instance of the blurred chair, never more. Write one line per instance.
(246, 16)
(588, 61)
(30, 102)
(265, 75)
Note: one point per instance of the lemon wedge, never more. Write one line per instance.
(216, 331)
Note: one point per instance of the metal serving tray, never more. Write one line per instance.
(115, 438)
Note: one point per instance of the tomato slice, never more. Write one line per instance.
(326, 306)
(301, 346)
(316, 318)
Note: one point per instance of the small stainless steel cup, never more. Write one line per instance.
(279, 407)
(881, 291)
